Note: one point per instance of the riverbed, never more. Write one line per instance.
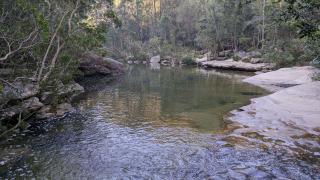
(163, 123)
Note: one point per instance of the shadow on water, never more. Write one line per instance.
(151, 124)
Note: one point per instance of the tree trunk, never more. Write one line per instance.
(263, 24)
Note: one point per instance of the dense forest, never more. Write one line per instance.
(41, 38)
(286, 32)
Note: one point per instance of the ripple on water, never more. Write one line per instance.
(152, 125)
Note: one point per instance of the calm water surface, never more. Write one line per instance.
(152, 124)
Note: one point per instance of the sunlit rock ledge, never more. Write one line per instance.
(230, 64)
(283, 78)
(289, 117)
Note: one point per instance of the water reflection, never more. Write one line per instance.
(177, 97)
(154, 124)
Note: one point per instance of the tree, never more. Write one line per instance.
(50, 33)
(305, 15)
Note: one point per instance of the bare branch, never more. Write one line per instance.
(49, 48)
(8, 83)
(54, 59)
(22, 45)
(71, 16)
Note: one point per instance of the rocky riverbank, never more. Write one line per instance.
(25, 98)
(227, 60)
(290, 117)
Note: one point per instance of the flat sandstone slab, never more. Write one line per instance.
(290, 116)
(236, 65)
(283, 78)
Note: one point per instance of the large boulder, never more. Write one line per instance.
(203, 59)
(70, 91)
(255, 54)
(64, 108)
(32, 104)
(92, 64)
(18, 90)
(63, 93)
(25, 107)
(226, 53)
(240, 55)
(246, 56)
(257, 60)
(155, 59)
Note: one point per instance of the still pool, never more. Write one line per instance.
(151, 124)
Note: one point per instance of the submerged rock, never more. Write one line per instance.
(46, 112)
(64, 108)
(52, 111)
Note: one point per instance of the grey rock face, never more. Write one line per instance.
(18, 90)
(25, 107)
(92, 64)
(246, 56)
(155, 59)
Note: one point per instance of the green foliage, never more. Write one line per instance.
(138, 52)
(167, 49)
(290, 53)
(1, 87)
(112, 15)
(141, 56)
(49, 24)
(43, 25)
(154, 45)
(280, 58)
(188, 60)
(304, 14)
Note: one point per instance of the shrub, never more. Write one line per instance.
(154, 45)
(188, 60)
(1, 87)
(316, 77)
(289, 53)
(140, 56)
(281, 59)
(166, 49)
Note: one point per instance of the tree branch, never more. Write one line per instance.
(22, 44)
(71, 16)
(49, 48)
(54, 59)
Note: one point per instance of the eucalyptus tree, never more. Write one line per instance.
(51, 35)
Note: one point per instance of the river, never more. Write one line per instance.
(151, 124)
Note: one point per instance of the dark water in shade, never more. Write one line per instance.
(152, 124)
